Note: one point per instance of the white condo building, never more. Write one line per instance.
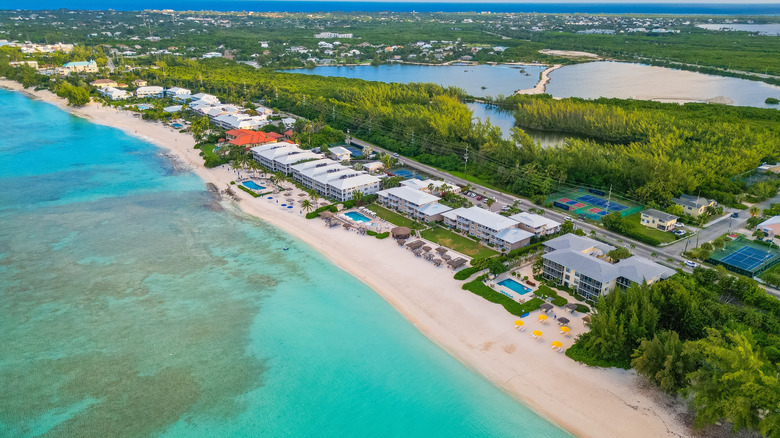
(150, 91)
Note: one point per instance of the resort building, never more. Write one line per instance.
(150, 91)
(239, 121)
(308, 175)
(694, 205)
(206, 98)
(344, 188)
(103, 83)
(248, 138)
(536, 224)
(340, 153)
(77, 67)
(581, 263)
(658, 219)
(406, 200)
(510, 239)
(432, 212)
(264, 111)
(284, 163)
(140, 83)
(373, 166)
(478, 222)
(429, 185)
(114, 93)
(178, 94)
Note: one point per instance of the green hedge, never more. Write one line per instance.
(371, 233)
(254, 195)
(317, 212)
(466, 273)
(384, 235)
(583, 308)
(478, 288)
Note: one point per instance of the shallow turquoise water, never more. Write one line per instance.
(134, 304)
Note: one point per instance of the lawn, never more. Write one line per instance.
(394, 217)
(457, 242)
(635, 222)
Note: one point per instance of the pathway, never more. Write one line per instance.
(544, 79)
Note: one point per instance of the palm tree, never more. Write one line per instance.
(445, 188)
(315, 197)
(306, 205)
(357, 196)
(387, 161)
(754, 211)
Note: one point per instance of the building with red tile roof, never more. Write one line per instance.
(248, 138)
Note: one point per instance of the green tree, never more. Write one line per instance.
(490, 202)
(662, 361)
(393, 181)
(306, 205)
(199, 128)
(619, 254)
(733, 382)
(358, 197)
(387, 161)
(614, 222)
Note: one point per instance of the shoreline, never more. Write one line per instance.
(585, 401)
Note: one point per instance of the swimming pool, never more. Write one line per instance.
(252, 185)
(357, 217)
(515, 286)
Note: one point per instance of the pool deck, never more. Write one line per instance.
(520, 298)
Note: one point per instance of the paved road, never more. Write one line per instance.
(668, 255)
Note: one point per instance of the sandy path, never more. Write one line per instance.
(544, 79)
(588, 402)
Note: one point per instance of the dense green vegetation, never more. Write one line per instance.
(711, 336)
(395, 218)
(467, 272)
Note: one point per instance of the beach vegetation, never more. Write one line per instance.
(772, 101)
(710, 336)
(467, 272)
(254, 195)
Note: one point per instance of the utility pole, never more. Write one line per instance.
(334, 112)
(609, 197)
(466, 165)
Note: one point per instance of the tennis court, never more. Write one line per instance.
(592, 203)
(746, 257)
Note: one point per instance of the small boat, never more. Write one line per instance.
(285, 248)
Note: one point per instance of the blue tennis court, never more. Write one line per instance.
(599, 202)
(747, 258)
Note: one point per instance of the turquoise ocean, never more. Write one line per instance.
(133, 303)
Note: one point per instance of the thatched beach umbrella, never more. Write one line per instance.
(571, 307)
(441, 250)
(546, 306)
(426, 248)
(401, 242)
(446, 257)
(563, 321)
(437, 262)
(401, 232)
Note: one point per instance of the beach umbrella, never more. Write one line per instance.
(536, 333)
(557, 344)
(563, 320)
(565, 329)
(519, 323)
(426, 248)
(542, 317)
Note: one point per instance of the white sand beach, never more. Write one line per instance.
(586, 401)
(544, 79)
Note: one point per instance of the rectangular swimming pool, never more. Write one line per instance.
(252, 185)
(515, 286)
(357, 217)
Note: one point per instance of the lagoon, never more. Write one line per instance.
(496, 79)
(635, 81)
(135, 301)
(769, 29)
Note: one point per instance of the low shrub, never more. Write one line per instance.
(466, 273)
(371, 233)
(254, 195)
(583, 308)
(384, 235)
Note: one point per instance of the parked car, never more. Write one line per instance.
(679, 233)
(735, 214)
(479, 198)
(395, 155)
(679, 224)
(691, 264)
(567, 218)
